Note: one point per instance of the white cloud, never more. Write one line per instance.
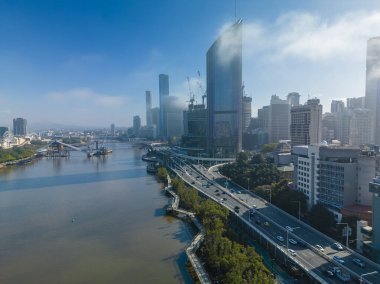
(308, 36)
(87, 98)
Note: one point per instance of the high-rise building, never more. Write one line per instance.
(113, 129)
(156, 117)
(136, 125)
(293, 99)
(360, 127)
(148, 107)
(174, 117)
(195, 127)
(279, 119)
(306, 123)
(372, 92)
(337, 106)
(326, 175)
(263, 118)
(368, 167)
(374, 187)
(163, 85)
(3, 129)
(247, 113)
(353, 103)
(329, 125)
(224, 93)
(19, 126)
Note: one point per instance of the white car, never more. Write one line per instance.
(281, 239)
(337, 246)
(292, 252)
(319, 247)
(293, 242)
(289, 228)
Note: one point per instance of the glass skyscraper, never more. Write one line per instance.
(19, 126)
(372, 92)
(163, 85)
(224, 93)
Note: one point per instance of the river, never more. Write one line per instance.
(80, 220)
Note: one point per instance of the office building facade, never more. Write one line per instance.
(279, 120)
(293, 99)
(247, 113)
(306, 123)
(224, 93)
(372, 93)
(337, 106)
(163, 86)
(19, 126)
(360, 127)
(136, 125)
(327, 175)
(148, 108)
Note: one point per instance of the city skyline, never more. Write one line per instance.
(95, 60)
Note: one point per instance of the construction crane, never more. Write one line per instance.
(191, 94)
(203, 91)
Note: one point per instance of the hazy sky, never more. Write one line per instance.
(89, 62)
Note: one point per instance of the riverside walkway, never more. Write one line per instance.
(196, 242)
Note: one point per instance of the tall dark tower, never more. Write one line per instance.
(224, 93)
(148, 105)
(19, 126)
(163, 84)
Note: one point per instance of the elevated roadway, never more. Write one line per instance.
(271, 222)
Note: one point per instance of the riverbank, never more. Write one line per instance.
(19, 162)
(236, 264)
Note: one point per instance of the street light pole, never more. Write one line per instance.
(270, 195)
(299, 208)
(346, 232)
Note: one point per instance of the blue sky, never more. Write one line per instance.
(89, 62)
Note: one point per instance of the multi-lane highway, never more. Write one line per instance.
(304, 245)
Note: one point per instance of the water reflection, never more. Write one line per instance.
(120, 233)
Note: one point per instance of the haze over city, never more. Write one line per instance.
(88, 63)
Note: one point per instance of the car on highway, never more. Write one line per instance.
(329, 272)
(237, 209)
(292, 252)
(216, 190)
(293, 242)
(290, 229)
(218, 194)
(258, 222)
(338, 259)
(192, 182)
(266, 224)
(224, 199)
(238, 192)
(337, 246)
(319, 247)
(252, 211)
(280, 238)
(358, 262)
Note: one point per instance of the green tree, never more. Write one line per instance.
(162, 174)
(267, 148)
(321, 218)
